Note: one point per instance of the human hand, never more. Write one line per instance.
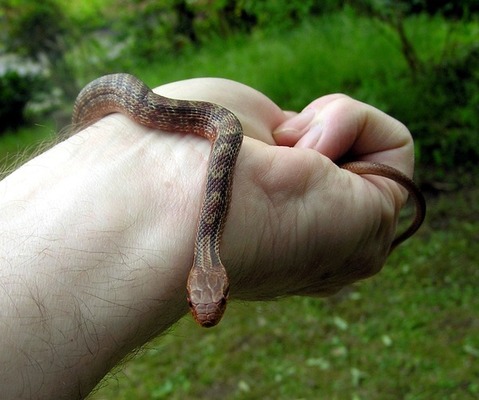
(98, 232)
(312, 208)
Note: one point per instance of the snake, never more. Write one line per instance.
(207, 283)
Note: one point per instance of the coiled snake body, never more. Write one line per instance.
(207, 284)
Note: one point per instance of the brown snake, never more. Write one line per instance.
(207, 284)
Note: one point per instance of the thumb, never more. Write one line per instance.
(313, 128)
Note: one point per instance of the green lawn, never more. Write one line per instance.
(411, 332)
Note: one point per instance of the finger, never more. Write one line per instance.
(338, 126)
(297, 125)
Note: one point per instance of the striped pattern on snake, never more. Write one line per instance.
(207, 284)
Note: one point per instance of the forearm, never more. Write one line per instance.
(84, 285)
(96, 245)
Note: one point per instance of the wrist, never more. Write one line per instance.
(96, 246)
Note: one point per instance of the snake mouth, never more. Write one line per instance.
(208, 314)
(208, 324)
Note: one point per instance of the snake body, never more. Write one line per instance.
(207, 284)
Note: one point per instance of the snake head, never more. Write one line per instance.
(208, 295)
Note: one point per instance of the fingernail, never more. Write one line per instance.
(298, 124)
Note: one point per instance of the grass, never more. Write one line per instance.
(295, 67)
(21, 144)
(411, 332)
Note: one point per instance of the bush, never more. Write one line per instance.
(153, 28)
(441, 108)
(34, 29)
(41, 32)
(16, 90)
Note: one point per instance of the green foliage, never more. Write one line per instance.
(34, 29)
(283, 14)
(450, 9)
(40, 32)
(90, 14)
(363, 58)
(459, 9)
(16, 90)
(151, 27)
(444, 101)
(420, 69)
(438, 98)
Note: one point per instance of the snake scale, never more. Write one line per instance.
(207, 284)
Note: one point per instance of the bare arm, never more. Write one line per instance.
(98, 232)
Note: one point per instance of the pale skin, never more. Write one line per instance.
(97, 232)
